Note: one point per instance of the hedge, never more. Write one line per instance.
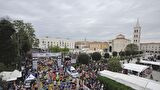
(110, 84)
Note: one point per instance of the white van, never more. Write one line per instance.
(72, 71)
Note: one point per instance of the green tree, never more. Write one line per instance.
(8, 46)
(55, 49)
(96, 56)
(141, 52)
(16, 39)
(114, 53)
(132, 49)
(65, 49)
(2, 67)
(36, 43)
(114, 65)
(25, 36)
(128, 53)
(106, 55)
(83, 58)
(121, 53)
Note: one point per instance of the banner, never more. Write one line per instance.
(73, 60)
(34, 65)
(46, 54)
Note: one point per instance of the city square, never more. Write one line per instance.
(79, 45)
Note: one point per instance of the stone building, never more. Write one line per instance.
(98, 46)
(46, 42)
(120, 43)
(150, 47)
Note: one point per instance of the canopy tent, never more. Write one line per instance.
(133, 81)
(135, 67)
(17, 73)
(150, 62)
(10, 76)
(30, 77)
(11, 79)
(4, 73)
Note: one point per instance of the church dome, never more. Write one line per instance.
(120, 36)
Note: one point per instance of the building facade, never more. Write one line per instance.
(150, 47)
(120, 43)
(47, 42)
(98, 46)
(137, 34)
(82, 45)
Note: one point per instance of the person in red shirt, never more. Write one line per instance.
(54, 76)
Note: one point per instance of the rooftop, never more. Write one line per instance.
(133, 81)
(135, 67)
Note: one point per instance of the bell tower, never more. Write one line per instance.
(137, 34)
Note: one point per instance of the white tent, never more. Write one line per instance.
(10, 76)
(11, 79)
(150, 62)
(17, 73)
(135, 67)
(30, 77)
(135, 82)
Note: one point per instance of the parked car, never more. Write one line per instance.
(72, 71)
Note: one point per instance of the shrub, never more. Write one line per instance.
(96, 56)
(106, 55)
(114, 53)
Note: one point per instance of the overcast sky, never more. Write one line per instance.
(93, 19)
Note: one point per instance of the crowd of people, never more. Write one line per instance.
(50, 76)
(89, 73)
(54, 77)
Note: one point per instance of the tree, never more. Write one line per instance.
(2, 67)
(128, 53)
(83, 58)
(121, 53)
(141, 52)
(96, 56)
(65, 49)
(25, 36)
(106, 55)
(114, 53)
(114, 65)
(36, 42)
(16, 39)
(158, 57)
(8, 45)
(55, 49)
(132, 48)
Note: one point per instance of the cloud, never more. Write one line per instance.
(93, 19)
